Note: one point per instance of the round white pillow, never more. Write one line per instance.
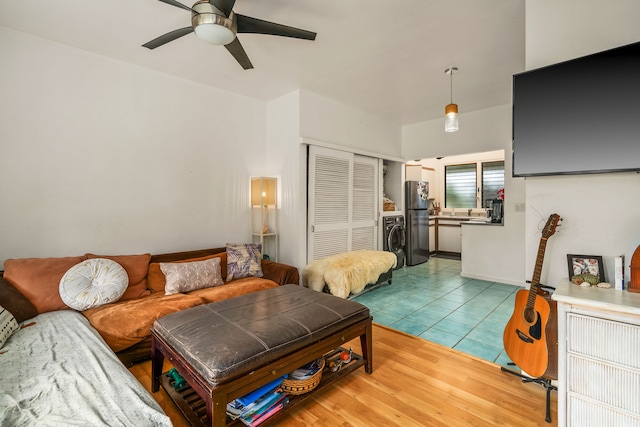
(92, 283)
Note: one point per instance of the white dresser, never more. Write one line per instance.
(598, 356)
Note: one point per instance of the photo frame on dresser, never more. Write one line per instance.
(585, 264)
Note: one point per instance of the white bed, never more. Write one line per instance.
(59, 372)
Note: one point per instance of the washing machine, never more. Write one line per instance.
(394, 237)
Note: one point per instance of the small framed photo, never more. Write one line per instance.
(589, 264)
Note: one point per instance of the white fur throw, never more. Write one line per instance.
(348, 272)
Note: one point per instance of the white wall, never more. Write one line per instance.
(327, 121)
(103, 156)
(494, 253)
(603, 220)
(288, 156)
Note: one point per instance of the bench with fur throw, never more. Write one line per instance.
(347, 273)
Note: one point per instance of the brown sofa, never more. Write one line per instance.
(125, 324)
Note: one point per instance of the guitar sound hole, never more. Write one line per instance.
(529, 315)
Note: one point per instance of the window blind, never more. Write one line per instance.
(460, 186)
(492, 181)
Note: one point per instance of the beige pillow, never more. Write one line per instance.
(92, 283)
(189, 276)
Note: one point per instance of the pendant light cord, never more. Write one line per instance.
(451, 91)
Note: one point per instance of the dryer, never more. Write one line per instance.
(394, 235)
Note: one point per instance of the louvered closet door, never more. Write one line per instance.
(342, 202)
(365, 202)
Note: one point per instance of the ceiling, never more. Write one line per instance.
(386, 58)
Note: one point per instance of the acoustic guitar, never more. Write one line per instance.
(525, 337)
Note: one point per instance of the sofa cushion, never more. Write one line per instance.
(136, 267)
(157, 281)
(125, 323)
(243, 260)
(189, 276)
(92, 283)
(17, 304)
(38, 279)
(238, 287)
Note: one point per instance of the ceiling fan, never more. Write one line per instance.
(214, 21)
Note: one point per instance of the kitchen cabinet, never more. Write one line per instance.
(449, 235)
(429, 175)
(413, 172)
(598, 363)
(432, 235)
(422, 173)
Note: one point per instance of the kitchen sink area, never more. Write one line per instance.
(445, 229)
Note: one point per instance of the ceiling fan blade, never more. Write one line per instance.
(169, 37)
(236, 49)
(224, 5)
(177, 4)
(247, 24)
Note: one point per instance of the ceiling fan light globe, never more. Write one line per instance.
(214, 34)
(213, 27)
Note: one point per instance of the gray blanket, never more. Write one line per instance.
(59, 372)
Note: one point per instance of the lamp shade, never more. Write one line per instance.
(451, 118)
(263, 191)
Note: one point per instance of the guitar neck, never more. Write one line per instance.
(537, 271)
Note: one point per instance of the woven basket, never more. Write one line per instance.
(297, 387)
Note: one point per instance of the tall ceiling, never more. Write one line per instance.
(385, 58)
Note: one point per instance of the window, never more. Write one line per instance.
(461, 184)
(492, 181)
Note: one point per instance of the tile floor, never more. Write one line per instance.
(432, 301)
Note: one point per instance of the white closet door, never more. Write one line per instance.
(365, 203)
(343, 201)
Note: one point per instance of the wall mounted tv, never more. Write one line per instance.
(580, 116)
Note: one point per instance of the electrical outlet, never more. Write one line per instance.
(519, 207)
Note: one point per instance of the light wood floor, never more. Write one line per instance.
(414, 383)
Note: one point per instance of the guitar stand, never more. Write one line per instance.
(545, 382)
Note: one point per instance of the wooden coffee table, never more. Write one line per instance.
(227, 349)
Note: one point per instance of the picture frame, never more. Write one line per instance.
(586, 264)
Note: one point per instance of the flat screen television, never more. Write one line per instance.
(579, 116)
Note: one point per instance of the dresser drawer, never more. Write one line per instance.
(605, 340)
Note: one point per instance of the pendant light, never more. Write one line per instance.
(451, 110)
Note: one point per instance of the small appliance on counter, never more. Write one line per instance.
(497, 210)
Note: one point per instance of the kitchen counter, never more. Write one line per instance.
(474, 220)
(482, 221)
(459, 217)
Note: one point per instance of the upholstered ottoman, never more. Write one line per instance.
(229, 348)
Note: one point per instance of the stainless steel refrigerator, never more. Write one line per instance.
(417, 222)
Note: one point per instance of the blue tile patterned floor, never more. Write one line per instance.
(434, 302)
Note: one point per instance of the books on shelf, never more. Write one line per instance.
(266, 412)
(619, 272)
(257, 406)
